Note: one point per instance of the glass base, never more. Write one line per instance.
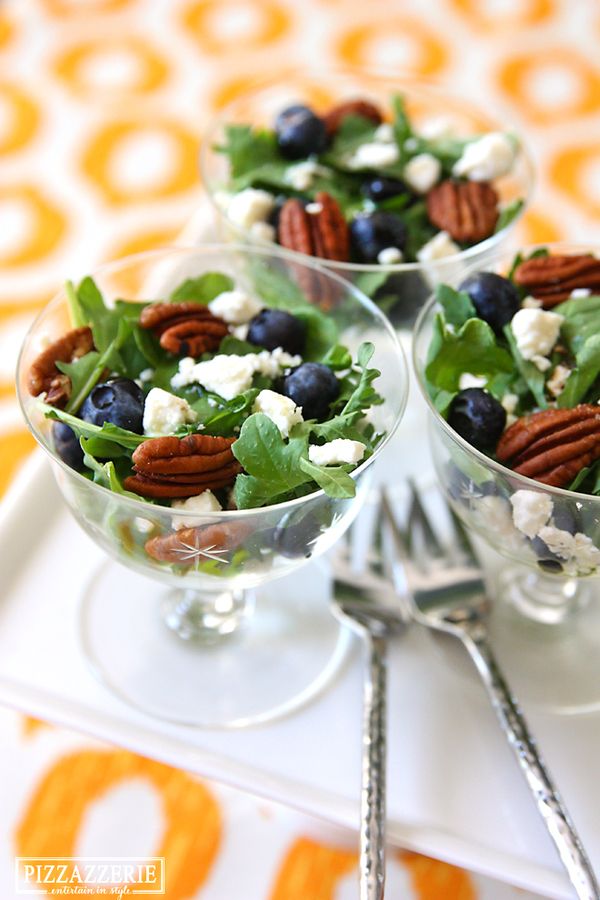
(144, 644)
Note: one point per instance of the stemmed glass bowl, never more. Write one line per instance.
(199, 636)
(546, 618)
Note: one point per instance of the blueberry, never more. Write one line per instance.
(67, 446)
(495, 298)
(477, 417)
(372, 233)
(300, 132)
(272, 328)
(547, 560)
(401, 296)
(381, 188)
(565, 516)
(314, 387)
(119, 401)
(295, 535)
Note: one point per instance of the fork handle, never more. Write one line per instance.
(548, 800)
(372, 801)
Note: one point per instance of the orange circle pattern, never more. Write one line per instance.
(48, 226)
(526, 14)
(358, 45)
(25, 117)
(569, 172)
(200, 20)
(70, 65)
(75, 8)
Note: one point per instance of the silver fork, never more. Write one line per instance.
(366, 600)
(446, 592)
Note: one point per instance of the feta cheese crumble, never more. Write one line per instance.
(581, 555)
(467, 380)
(280, 410)
(438, 247)
(389, 256)
(536, 332)
(262, 231)
(206, 502)
(422, 172)
(489, 157)
(235, 307)
(531, 303)
(340, 450)
(531, 511)
(373, 156)
(437, 129)
(558, 379)
(302, 175)
(164, 412)
(249, 206)
(229, 375)
(578, 293)
(384, 133)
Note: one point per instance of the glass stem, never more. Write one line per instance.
(206, 617)
(543, 598)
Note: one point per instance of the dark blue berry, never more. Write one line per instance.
(314, 387)
(381, 188)
(477, 417)
(495, 298)
(300, 132)
(272, 328)
(371, 233)
(296, 534)
(547, 560)
(67, 446)
(119, 401)
(401, 296)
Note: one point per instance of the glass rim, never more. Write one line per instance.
(424, 314)
(428, 87)
(231, 249)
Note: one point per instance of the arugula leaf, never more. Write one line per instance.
(232, 345)
(457, 305)
(584, 374)
(78, 318)
(474, 348)
(337, 358)
(321, 333)
(370, 282)
(84, 373)
(352, 132)
(401, 124)
(507, 215)
(202, 289)
(334, 480)
(419, 229)
(120, 436)
(273, 466)
(364, 394)
(536, 380)
(248, 148)
(223, 421)
(581, 320)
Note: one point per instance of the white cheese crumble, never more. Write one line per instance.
(235, 307)
(280, 410)
(164, 412)
(493, 514)
(389, 256)
(262, 231)
(314, 208)
(531, 511)
(249, 206)
(438, 247)
(302, 175)
(437, 129)
(558, 379)
(422, 172)
(467, 380)
(576, 293)
(536, 332)
(229, 375)
(240, 332)
(581, 555)
(206, 502)
(146, 375)
(373, 156)
(489, 157)
(384, 133)
(340, 450)
(531, 303)
(510, 403)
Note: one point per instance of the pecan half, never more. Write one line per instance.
(185, 329)
(467, 210)
(358, 107)
(552, 278)
(553, 445)
(323, 234)
(44, 376)
(192, 545)
(171, 467)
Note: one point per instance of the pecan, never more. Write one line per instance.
(185, 329)
(190, 545)
(171, 467)
(323, 234)
(552, 278)
(467, 210)
(44, 375)
(358, 107)
(553, 445)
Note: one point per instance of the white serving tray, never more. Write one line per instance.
(454, 790)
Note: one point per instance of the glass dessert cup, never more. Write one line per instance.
(400, 289)
(201, 637)
(545, 620)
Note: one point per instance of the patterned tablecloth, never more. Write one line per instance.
(102, 108)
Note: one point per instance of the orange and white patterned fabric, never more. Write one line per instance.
(102, 108)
